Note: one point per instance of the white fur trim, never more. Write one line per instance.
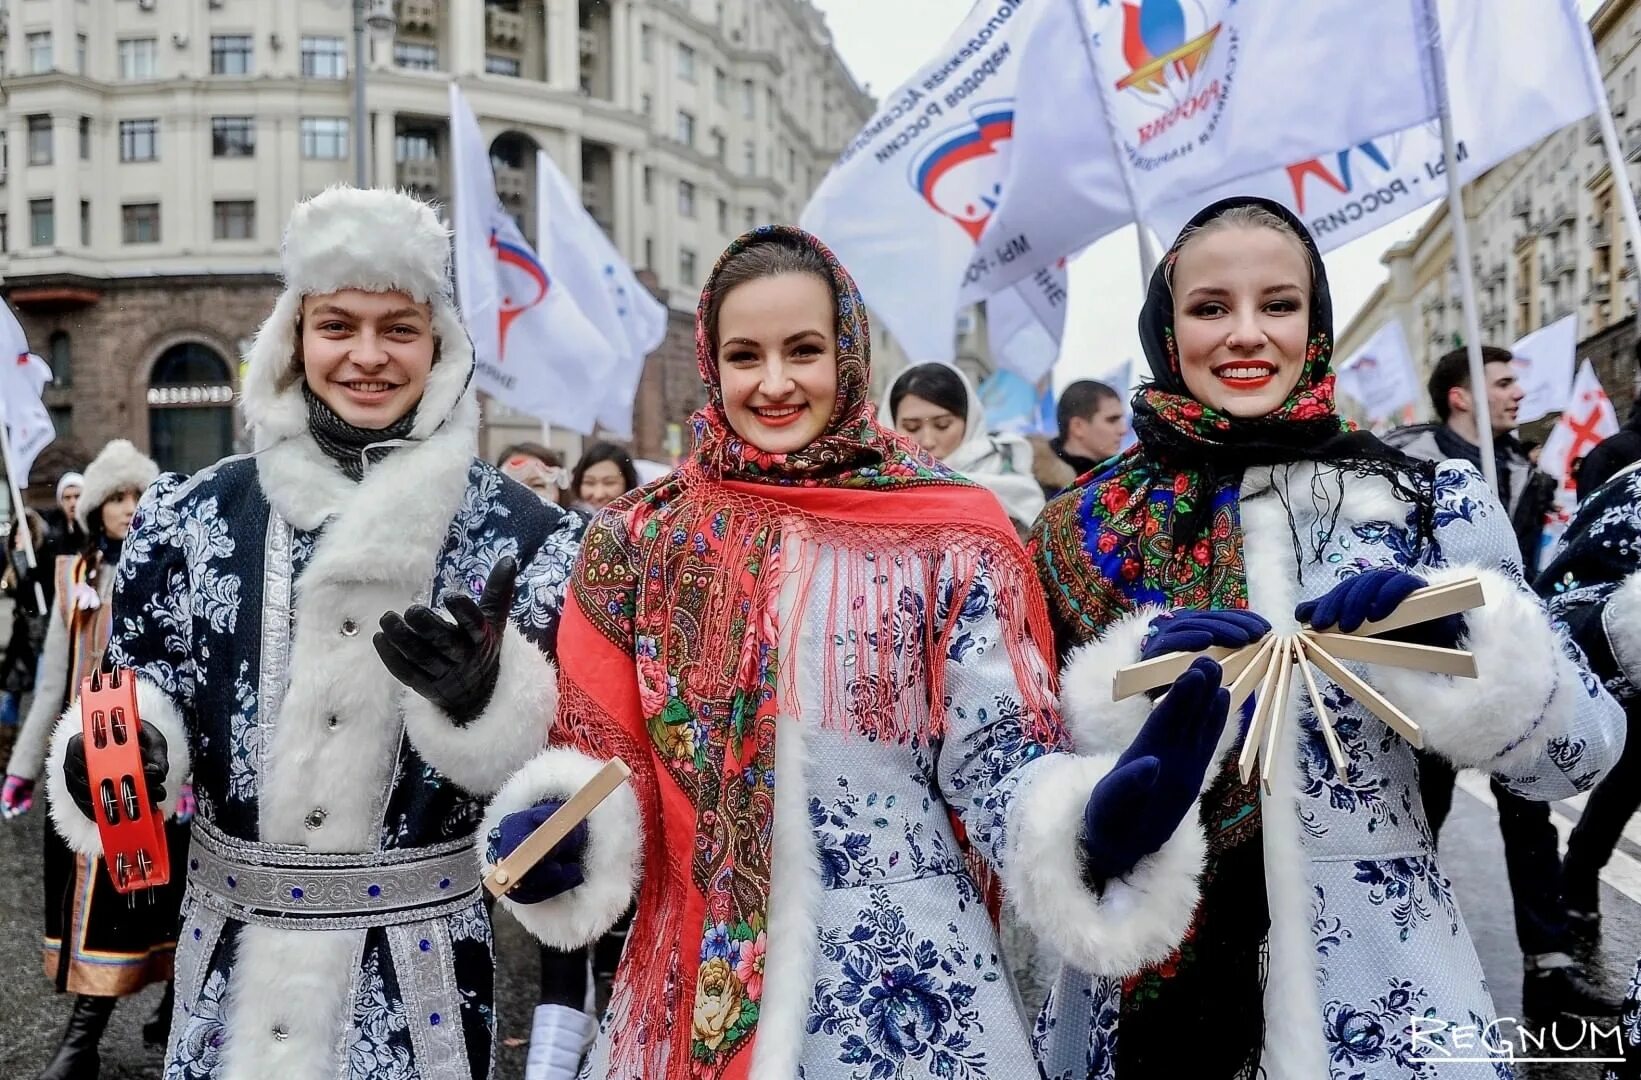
(154, 706)
(1523, 679)
(297, 980)
(1621, 619)
(610, 864)
(118, 467)
(1139, 919)
(1098, 724)
(512, 727)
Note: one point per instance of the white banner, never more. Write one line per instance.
(1380, 375)
(533, 349)
(1509, 82)
(1544, 368)
(23, 379)
(1025, 324)
(604, 287)
(1588, 419)
(907, 200)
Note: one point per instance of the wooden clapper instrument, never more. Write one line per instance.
(505, 874)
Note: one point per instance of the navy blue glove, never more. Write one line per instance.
(1373, 595)
(558, 873)
(1155, 783)
(1193, 631)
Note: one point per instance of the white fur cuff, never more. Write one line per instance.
(1140, 918)
(1523, 679)
(512, 727)
(610, 864)
(1621, 619)
(154, 707)
(1098, 724)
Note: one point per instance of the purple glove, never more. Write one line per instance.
(16, 797)
(558, 873)
(1139, 804)
(1193, 631)
(1372, 595)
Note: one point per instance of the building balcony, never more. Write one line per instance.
(420, 174)
(1562, 215)
(1521, 205)
(1600, 290)
(504, 29)
(1600, 234)
(419, 16)
(1592, 131)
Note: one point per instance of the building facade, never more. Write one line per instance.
(1547, 240)
(152, 149)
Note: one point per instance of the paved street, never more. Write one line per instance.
(31, 1016)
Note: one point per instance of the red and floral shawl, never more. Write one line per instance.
(669, 653)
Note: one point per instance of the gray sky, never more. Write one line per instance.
(885, 41)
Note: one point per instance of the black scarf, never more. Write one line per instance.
(348, 445)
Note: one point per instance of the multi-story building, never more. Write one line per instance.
(1546, 235)
(152, 149)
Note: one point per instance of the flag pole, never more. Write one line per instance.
(22, 516)
(1615, 154)
(1461, 250)
(1148, 251)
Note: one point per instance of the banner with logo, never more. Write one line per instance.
(1025, 324)
(1544, 368)
(1380, 376)
(533, 348)
(1588, 419)
(1181, 96)
(604, 287)
(23, 380)
(1513, 77)
(908, 198)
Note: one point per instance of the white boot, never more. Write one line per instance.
(558, 1037)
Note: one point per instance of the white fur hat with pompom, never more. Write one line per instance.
(118, 467)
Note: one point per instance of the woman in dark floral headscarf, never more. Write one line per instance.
(1324, 934)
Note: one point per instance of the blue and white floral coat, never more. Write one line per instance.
(246, 602)
(1365, 933)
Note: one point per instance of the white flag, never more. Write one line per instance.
(1544, 368)
(1588, 419)
(1514, 76)
(23, 378)
(1380, 375)
(907, 200)
(605, 288)
(533, 348)
(1190, 93)
(1026, 323)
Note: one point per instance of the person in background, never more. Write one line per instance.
(1092, 424)
(536, 467)
(63, 534)
(604, 474)
(1616, 452)
(1553, 980)
(28, 627)
(935, 406)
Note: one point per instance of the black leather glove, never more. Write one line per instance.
(452, 664)
(156, 762)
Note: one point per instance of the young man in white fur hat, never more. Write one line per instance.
(333, 924)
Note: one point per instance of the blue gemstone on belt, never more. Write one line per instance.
(193, 864)
(232, 884)
(434, 1019)
(374, 891)
(296, 894)
(425, 945)
(196, 933)
(444, 884)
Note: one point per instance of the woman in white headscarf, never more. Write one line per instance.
(936, 407)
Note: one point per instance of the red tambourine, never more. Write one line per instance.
(132, 828)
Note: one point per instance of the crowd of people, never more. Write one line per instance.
(884, 817)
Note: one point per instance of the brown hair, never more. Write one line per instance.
(1247, 216)
(769, 257)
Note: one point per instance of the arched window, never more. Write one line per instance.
(513, 161)
(61, 359)
(190, 408)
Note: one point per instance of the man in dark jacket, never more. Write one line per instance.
(1092, 424)
(1554, 981)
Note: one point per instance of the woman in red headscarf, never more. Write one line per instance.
(826, 659)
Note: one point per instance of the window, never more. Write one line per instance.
(5, 232)
(686, 62)
(61, 360)
(686, 127)
(327, 58)
(408, 54)
(646, 104)
(233, 136)
(139, 140)
(750, 166)
(85, 138)
(502, 65)
(748, 98)
(39, 53)
(649, 185)
(751, 219)
(649, 251)
(686, 266)
(42, 223)
(137, 58)
(79, 54)
(140, 223)
(230, 54)
(646, 43)
(324, 138)
(39, 140)
(415, 146)
(723, 215)
(720, 86)
(686, 199)
(85, 223)
(234, 220)
(720, 146)
(791, 164)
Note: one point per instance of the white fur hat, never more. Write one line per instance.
(354, 238)
(68, 480)
(118, 467)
